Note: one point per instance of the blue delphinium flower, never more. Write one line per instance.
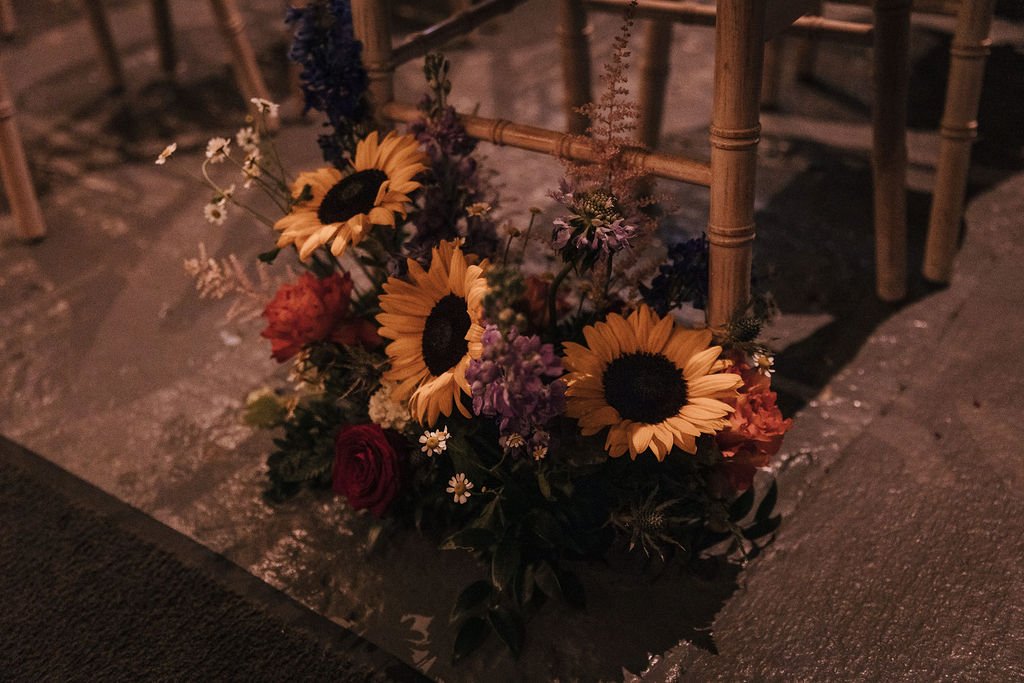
(683, 279)
(333, 79)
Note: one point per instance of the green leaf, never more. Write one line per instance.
(509, 627)
(544, 485)
(269, 256)
(547, 580)
(545, 527)
(505, 564)
(472, 634)
(472, 538)
(741, 506)
(762, 528)
(764, 510)
(471, 597)
(529, 580)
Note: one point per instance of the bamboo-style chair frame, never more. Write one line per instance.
(741, 28)
(229, 21)
(889, 36)
(14, 171)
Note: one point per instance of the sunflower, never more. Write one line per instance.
(652, 383)
(435, 324)
(343, 205)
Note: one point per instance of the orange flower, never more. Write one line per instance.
(755, 430)
(313, 310)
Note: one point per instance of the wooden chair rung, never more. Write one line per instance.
(946, 7)
(419, 44)
(693, 13)
(562, 145)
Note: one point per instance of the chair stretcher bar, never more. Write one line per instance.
(563, 145)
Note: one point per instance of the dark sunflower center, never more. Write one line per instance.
(352, 195)
(644, 387)
(444, 334)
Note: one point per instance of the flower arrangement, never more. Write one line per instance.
(536, 421)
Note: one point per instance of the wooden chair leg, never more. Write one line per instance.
(574, 36)
(735, 132)
(243, 57)
(163, 27)
(28, 217)
(774, 51)
(371, 21)
(959, 126)
(807, 51)
(97, 17)
(8, 20)
(889, 150)
(653, 77)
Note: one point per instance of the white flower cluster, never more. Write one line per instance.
(386, 411)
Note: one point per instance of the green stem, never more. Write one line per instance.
(526, 240)
(508, 245)
(209, 181)
(608, 282)
(553, 296)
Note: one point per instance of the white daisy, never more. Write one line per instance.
(251, 168)
(459, 487)
(540, 452)
(266, 106)
(478, 209)
(514, 440)
(247, 138)
(164, 155)
(764, 363)
(217, 149)
(215, 213)
(435, 442)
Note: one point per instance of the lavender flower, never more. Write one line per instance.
(333, 78)
(507, 383)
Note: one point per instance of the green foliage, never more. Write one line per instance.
(305, 451)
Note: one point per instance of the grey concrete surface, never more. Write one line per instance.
(897, 559)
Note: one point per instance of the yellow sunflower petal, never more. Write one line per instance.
(700, 363)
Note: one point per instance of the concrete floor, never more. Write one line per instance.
(898, 558)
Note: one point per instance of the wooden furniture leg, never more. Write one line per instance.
(97, 17)
(163, 27)
(735, 132)
(807, 51)
(574, 36)
(28, 217)
(371, 21)
(959, 127)
(889, 147)
(8, 20)
(774, 52)
(653, 77)
(243, 57)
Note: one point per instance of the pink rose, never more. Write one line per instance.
(314, 310)
(367, 467)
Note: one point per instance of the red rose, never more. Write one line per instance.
(755, 430)
(314, 310)
(367, 467)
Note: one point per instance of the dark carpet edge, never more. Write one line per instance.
(276, 605)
